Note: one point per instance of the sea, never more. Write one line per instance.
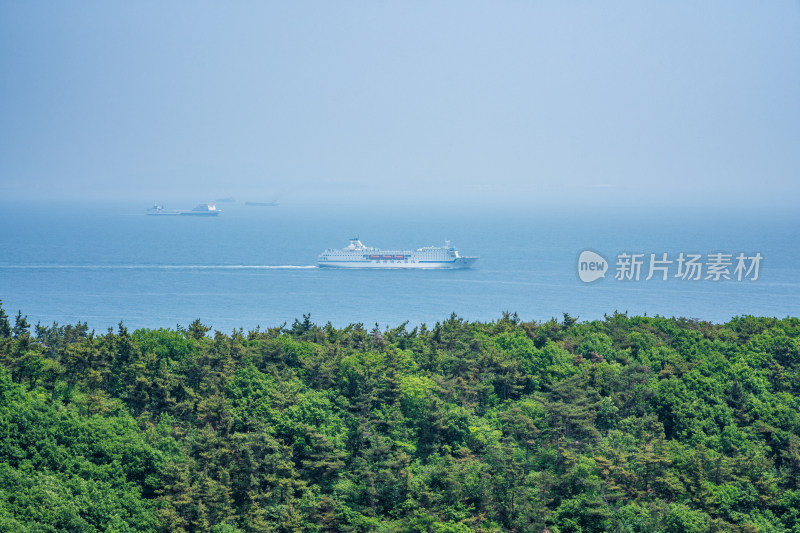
(256, 267)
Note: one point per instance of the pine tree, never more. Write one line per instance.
(21, 325)
(5, 327)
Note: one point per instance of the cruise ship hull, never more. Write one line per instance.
(461, 262)
(356, 255)
(202, 210)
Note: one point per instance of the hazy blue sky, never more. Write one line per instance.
(503, 103)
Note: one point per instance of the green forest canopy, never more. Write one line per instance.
(634, 424)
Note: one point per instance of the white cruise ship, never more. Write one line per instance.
(200, 210)
(356, 255)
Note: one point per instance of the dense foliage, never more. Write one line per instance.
(635, 424)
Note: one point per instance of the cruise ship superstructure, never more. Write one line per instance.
(356, 255)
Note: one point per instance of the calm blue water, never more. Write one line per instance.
(256, 266)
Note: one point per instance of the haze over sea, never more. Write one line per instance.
(256, 266)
